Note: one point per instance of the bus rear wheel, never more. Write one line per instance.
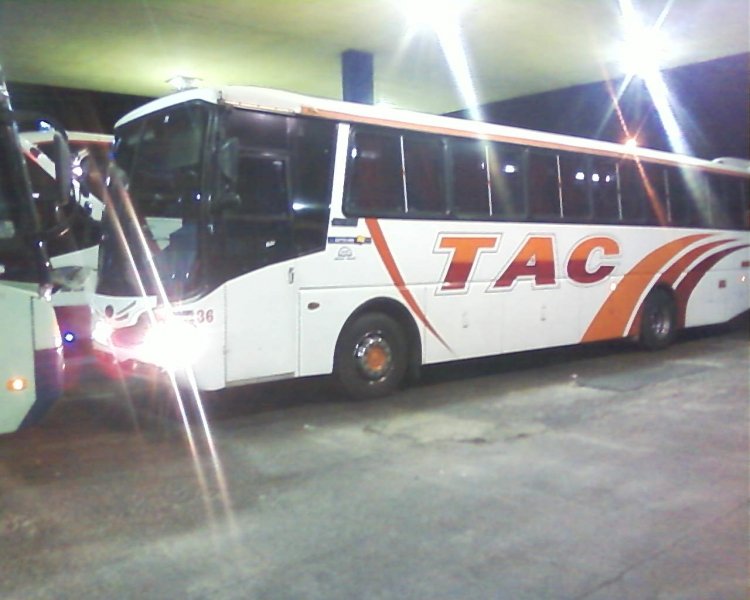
(658, 321)
(371, 356)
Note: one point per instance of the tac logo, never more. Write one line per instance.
(590, 261)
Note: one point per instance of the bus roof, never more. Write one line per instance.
(270, 100)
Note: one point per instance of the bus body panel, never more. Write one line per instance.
(31, 353)
(261, 337)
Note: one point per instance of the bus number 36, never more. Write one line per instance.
(204, 316)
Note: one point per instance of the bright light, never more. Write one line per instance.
(69, 337)
(443, 17)
(595, 178)
(171, 343)
(102, 333)
(184, 82)
(580, 176)
(432, 14)
(644, 50)
(644, 54)
(509, 168)
(16, 384)
(631, 143)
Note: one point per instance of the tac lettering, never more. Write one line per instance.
(590, 261)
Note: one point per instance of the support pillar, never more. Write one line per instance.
(357, 76)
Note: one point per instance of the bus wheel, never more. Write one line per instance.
(371, 356)
(658, 321)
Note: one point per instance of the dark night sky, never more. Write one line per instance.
(713, 110)
(713, 98)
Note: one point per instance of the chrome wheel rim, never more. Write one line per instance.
(373, 356)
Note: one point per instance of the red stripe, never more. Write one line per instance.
(693, 278)
(390, 264)
(622, 304)
(672, 274)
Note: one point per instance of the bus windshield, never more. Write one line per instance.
(158, 161)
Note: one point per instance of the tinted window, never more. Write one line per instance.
(544, 191)
(262, 186)
(376, 186)
(507, 164)
(605, 197)
(682, 212)
(469, 178)
(575, 178)
(282, 189)
(264, 131)
(423, 165)
(312, 161)
(643, 193)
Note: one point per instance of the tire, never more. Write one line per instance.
(371, 356)
(658, 321)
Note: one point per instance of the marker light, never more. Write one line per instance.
(184, 82)
(16, 384)
(69, 337)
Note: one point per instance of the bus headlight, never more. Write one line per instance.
(102, 333)
(171, 343)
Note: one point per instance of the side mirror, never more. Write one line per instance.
(63, 169)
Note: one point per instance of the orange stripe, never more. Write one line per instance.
(613, 317)
(390, 264)
(670, 276)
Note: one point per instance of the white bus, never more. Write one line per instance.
(31, 361)
(73, 229)
(263, 235)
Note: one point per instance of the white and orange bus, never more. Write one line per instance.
(262, 235)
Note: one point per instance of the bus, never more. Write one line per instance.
(257, 234)
(73, 230)
(31, 360)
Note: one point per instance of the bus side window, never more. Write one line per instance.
(575, 180)
(506, 169)
(312, 161)
(543, 185)
(604, 196)
(375, 175)
(469, 181)
(642, 193)
(681, 207)
(424, 169)
(262, 186)
(728, 208)
(258, 230)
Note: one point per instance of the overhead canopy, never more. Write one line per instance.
(513, 47)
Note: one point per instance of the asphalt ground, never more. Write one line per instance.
(597, 472)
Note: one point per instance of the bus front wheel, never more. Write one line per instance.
(658, 321)
(371, 356)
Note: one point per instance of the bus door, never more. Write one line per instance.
(257, 257)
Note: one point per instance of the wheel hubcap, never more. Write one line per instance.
(373, 356)
(661, 323)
